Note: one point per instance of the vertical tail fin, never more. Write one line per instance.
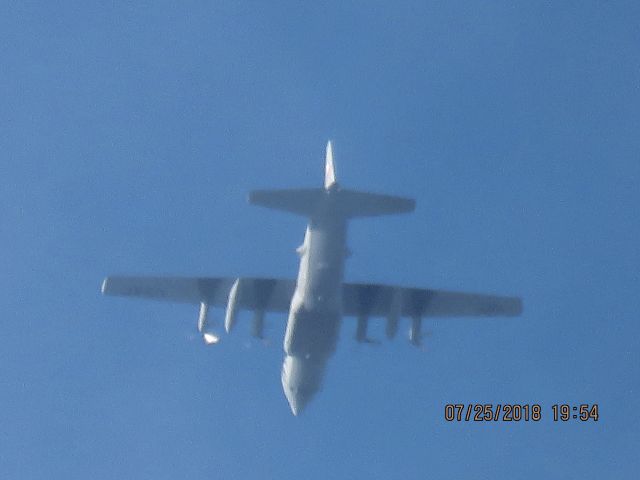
(329, 168)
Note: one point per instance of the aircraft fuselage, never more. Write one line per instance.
(315, 314)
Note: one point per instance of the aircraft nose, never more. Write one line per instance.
(299, 383)
(297, 402)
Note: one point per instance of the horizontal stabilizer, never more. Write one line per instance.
(303, 201)
(362, 204)
(348, 203)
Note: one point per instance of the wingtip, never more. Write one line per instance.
(515, 307)
(519, 306)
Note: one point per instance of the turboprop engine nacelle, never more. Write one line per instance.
(392, 326)
(415, 333)
(208, 337)
(232, 305)
(202, 317)
(257, 327)
(361, 330)
(394, 314)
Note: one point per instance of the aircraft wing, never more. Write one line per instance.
(267, 294)
(359, 299)
(365, 299)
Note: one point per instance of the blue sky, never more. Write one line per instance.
(130, 135)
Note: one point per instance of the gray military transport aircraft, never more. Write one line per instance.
(318, 299)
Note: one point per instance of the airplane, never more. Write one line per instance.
(318, 300)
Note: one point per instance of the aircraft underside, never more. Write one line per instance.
(318, 299)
